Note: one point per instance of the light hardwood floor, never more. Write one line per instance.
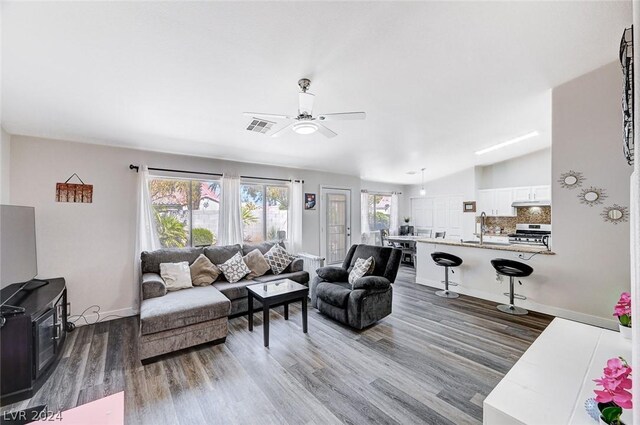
(432, 361)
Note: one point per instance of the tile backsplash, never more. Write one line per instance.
(529, 215)
(534, 215)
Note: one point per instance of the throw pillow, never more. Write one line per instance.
(176, 275)
(361, 268)
(234, 268)
(278, 259)
(256, 263)
(203, 271)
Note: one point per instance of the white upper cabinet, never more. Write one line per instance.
(497, 202)
(541, 193)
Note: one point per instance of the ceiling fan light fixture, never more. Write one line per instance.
(305, 127)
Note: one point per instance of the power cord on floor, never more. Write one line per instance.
(96, 311)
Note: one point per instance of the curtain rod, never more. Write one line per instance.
(137, 168)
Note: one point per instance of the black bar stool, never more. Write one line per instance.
(446, 260)
(512, 269)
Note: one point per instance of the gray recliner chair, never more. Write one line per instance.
(369, 300)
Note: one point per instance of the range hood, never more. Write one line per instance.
(541, 203)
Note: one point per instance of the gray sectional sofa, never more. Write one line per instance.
(171, 321)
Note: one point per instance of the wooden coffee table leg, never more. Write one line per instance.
(265, 320)
(286, 311)
(250, 308)
(304, 314)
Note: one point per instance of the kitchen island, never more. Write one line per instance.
(477, 277)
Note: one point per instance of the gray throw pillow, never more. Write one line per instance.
(203, 271)
(234, 268)
(256, 263)
(278, 259)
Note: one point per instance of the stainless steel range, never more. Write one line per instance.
(531, 234)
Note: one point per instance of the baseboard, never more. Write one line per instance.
(103, 316)
(542, 308)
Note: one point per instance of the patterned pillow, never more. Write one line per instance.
(234, 268)
(278, 259)
(361, 268)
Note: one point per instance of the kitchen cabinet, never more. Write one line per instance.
(438, 214)
(496, 202)
(541, 193)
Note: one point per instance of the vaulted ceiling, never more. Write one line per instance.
(438, 80)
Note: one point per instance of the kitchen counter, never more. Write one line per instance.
(530, 249)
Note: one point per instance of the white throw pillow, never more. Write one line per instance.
(176, 275)
(361, 268)
(234, 268)
(278, 258)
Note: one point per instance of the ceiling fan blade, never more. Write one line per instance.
(272, 116)
(305, 103)
(342, 116)
(282, 131)
(327, 132)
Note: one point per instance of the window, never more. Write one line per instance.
(265, 211)
(187, 211)
(379, 211)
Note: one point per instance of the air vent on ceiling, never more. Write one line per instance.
(259, 126)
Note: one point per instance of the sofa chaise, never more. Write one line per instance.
(173, 320)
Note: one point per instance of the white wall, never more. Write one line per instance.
(5, 156)
(462, 183)
(587, 132)
(92, 245)
(533, 169)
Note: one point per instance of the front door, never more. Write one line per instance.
(335, 224)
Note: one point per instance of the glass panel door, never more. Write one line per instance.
(337, 229)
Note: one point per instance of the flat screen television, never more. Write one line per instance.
(18, 259)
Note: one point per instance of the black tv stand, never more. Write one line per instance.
(31, 340)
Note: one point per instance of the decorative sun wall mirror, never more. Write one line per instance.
(615, 214)
(571, 179)
(592, 196)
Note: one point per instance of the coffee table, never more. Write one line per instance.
(276, 293)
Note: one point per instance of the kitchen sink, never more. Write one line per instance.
(488, 243)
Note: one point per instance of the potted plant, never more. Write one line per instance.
(407, 220)
(622, 311)
(614, 395)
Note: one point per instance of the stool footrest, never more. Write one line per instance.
(516, 296)
(450, 283)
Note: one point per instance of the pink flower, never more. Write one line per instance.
(623, 307)
(615, 383)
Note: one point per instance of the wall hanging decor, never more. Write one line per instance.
(571, 179)
(626, 60)
(73, 192)
(592, 196)
(309, 201)
(469, 206)
(615, 214)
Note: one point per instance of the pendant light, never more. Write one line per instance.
(422, 191)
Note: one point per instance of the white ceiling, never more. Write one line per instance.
(438, 80)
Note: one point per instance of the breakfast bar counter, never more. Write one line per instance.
(529, 249)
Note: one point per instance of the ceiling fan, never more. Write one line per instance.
(305, 122)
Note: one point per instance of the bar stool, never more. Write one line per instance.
(512, 269)
(446, 260)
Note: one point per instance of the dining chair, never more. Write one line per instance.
(440, 235)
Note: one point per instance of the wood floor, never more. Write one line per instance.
(432, 361)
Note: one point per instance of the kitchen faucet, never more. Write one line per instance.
(483, 216)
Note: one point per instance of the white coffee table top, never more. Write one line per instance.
(554, 377)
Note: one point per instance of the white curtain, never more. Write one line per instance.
(394, 224)
(296, 202)
(364, 218)
(230, 222)
(146, 231)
